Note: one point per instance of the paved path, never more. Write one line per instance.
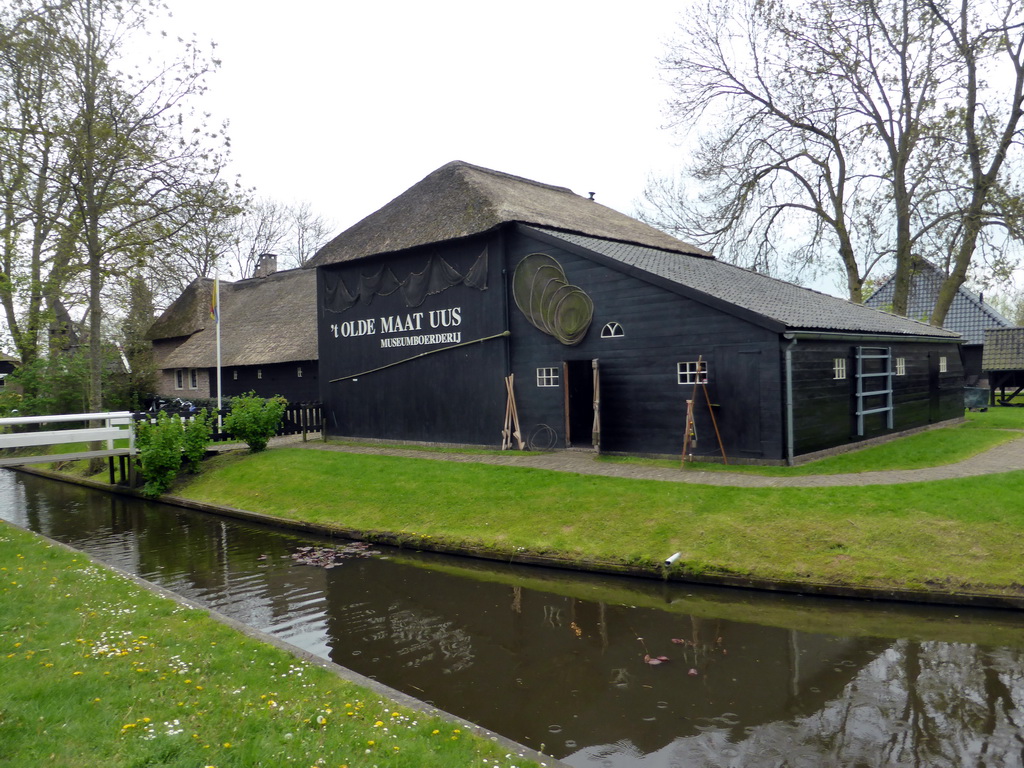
(1003, 458)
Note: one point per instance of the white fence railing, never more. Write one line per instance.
(117, 425)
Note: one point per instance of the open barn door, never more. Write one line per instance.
(582, 404)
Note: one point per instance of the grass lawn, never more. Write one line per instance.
(945, 445)
(952, 536)
(98, 671)
(955, 535)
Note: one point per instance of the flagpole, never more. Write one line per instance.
(216, 304)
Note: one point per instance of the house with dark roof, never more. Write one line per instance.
(267, 338)
(1003, 363)
(7, 366)
(616, 336)
(969, 314)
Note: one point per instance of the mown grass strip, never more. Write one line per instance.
(933, 448)
(98, 671)
(952, 535)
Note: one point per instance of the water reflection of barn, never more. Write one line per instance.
(609, 327)
(520, 661)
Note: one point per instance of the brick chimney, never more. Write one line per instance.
(266, 264)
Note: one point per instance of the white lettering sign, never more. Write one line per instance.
(435, 319)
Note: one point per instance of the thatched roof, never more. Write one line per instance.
(459, 200)
(263, 320)
(188, 314)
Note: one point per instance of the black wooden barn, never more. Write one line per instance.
(609, 327)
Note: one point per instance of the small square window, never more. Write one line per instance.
(839, 368)
(901, 366)
(547, 377)
(943, 367)
(692, 372)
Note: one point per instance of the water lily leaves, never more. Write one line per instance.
(329, 557)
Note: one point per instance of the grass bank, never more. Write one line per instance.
(932, 448)
(98, 671)
(952, 536)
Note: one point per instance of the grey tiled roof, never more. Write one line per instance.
(792, 306)
(968, 315)
(1004, 350)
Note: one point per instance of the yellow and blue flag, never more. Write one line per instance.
(215, 301)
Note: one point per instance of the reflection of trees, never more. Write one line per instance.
(928, 704)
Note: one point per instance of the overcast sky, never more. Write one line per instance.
(345, 105)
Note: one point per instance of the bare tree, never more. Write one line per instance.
(260, 228)
(983, 35)
(309, 232)
(831, 131)
(292, 232)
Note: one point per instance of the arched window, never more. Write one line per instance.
(612, 330)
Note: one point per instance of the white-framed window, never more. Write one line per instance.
(612, 330)
(547, 377)
(943, 366)
(193, 378)
(259, 373)
(179, 378)
(692, 372)
(298, 372)
(901, 366)
(839, 368)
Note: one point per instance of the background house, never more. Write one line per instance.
(609, 327)
(969, 314)
(7, 365)
(1003, 363)
(268, 338)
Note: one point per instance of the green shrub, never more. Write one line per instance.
(159, 446)
(198, 432)
(254, 420)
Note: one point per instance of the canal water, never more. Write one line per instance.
(559, 661)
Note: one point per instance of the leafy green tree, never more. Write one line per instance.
(255, 420)
(38, 264)
(99, 162)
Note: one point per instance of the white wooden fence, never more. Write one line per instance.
(117, 425)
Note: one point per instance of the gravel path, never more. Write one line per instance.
(1002, 458)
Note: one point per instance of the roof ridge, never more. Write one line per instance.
(463, 165)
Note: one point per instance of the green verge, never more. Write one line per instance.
(98, 671)
(948, 536)
(933, 448)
